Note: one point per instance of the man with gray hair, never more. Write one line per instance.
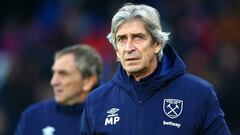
(150, 93)
(76, 71)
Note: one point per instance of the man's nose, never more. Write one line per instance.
(54, 80)
(129, 47)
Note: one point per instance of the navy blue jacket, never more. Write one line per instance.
(50, 118)
(167, 102)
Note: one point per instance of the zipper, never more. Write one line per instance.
(140, 110)
(140, 118)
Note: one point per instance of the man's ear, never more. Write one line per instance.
(89, 83)
(158, 47)
(117, 54)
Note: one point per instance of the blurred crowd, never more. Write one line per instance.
(206, 34)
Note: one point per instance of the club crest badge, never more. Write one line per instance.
(172, 107)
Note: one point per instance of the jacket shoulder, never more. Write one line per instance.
(100, 92)
(194, 84)
(196, 80)
(39, 107)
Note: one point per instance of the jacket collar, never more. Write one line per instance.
(170, 67)
(70, 109)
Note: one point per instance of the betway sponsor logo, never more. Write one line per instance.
(171, 124)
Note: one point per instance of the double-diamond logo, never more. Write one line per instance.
(112, 117)
(172, 107)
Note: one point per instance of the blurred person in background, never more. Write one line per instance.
(76, 71)
(151, 92)
(2, 121)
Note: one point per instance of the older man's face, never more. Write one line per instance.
(135, 49)
(67, 81)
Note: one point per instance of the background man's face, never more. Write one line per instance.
(66, 80)
(135, 48)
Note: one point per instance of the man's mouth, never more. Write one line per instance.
(58, 91)
(130, 59)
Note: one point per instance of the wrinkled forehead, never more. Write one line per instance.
(133, 26)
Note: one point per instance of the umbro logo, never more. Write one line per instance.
(112, 117)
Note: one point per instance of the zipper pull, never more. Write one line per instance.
(140, 102)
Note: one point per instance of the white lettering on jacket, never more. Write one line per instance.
(171, 124)
(112, 117)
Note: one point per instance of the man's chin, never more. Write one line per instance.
(59, 100)
(132, 69)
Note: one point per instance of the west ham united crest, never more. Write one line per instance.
(172, 107)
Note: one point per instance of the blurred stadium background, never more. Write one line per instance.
(206, 33)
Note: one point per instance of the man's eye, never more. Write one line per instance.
(121, 40)
(138, 38)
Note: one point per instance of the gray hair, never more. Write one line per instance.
(87, 60)
(146, 14)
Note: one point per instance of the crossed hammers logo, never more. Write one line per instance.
(172, 107)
